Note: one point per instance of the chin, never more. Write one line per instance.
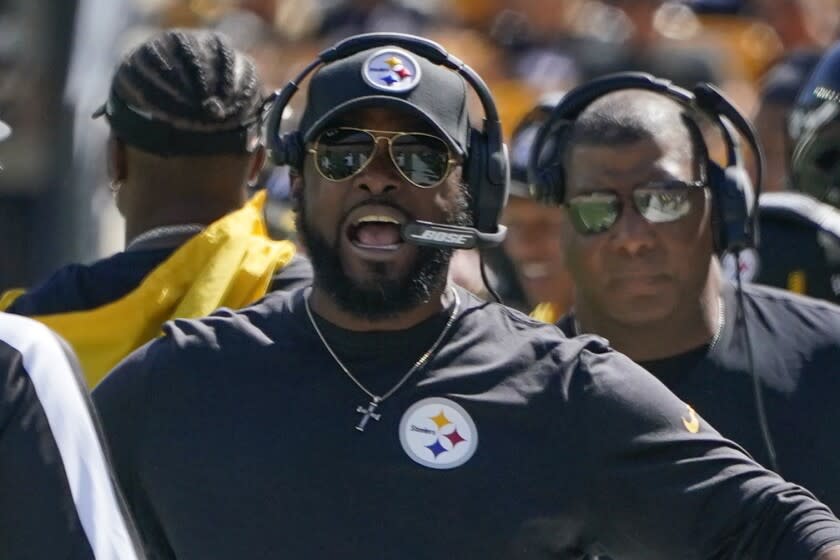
(382, 289)
(640, 310)
(371, 272)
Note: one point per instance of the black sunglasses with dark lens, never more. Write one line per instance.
(424, 160)
(658, 203)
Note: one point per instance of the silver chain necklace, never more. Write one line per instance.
(370, 411)
(720, 325)
(718, 331)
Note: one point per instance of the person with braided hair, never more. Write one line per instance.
(185, 142)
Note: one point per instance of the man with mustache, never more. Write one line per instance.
(384, 413)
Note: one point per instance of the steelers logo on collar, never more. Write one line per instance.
(438, 433)
(392, 70)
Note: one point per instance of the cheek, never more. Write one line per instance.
(582, 255)
(694, 232)
(322, 205)
(689, 247)
(445, 201)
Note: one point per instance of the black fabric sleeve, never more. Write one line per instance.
(296, 274)
(661, 491)
(123, 404)
(57, 493)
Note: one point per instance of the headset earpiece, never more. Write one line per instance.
(289, 150)
(474, 168)
(487, 177)
(548, 187)
(734, 196)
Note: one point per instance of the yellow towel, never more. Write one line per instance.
(229, 264)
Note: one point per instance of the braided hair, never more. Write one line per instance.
(192, 79)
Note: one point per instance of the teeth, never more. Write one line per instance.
(385, 219)
(534, 270)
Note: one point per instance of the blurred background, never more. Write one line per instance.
(56, 59)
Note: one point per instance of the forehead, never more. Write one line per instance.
(382, 118)
(625, 166)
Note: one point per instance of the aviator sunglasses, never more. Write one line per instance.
(658, 203)
(424, 160)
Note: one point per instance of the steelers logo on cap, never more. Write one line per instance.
(438, 433)
(392, 70)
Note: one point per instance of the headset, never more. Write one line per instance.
(735, 218)
(736, 202)
(486, 170)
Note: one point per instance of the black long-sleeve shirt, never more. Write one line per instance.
(233, 437)
(795, 346)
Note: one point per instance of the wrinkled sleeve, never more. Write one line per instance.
(123, 403)
(296, 274)
(663, 484)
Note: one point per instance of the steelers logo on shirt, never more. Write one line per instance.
(392, 70)
(438, 433)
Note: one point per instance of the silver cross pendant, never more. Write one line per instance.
(367, 414)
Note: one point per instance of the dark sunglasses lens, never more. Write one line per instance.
(424, 160)
(660, 206)
(341, 153)
(594, 213)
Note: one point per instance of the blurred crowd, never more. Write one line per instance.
(54, 204)
(208, 188)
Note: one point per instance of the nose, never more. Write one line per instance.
(380, 175)
(632, 234)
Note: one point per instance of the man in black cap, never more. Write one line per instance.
(185, 142)
(383, 413)
(55, 480)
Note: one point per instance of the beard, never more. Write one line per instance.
(381, 297)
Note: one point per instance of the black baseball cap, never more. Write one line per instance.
(200, 127)
(389, 77)
(158, 136)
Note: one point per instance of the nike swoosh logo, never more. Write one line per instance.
(693, 425)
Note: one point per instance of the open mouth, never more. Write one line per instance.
(376, 232)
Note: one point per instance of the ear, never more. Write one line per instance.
(117, 160)
(257, 164)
